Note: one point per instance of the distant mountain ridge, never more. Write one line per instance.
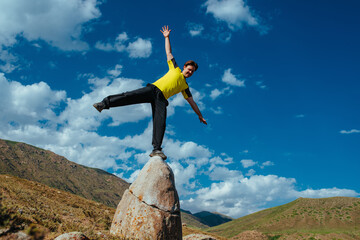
(36, 164)
(212, 219)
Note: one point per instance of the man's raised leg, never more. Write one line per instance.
(141, 95)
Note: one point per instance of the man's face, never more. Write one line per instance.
(188, 71)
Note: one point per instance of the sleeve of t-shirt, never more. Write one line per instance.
(186, 93)
(172, 64)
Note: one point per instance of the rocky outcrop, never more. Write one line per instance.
(72, 236)
(150, 209)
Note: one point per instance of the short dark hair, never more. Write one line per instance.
(192, 63)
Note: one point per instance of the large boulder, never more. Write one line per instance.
(150, 209)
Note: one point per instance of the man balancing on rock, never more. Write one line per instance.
(157, 93)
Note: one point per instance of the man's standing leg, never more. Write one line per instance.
(159, 125)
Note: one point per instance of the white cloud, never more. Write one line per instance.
(246, 163)
(223, 173)
(251, 172)
(195, 29)
(350, 131)
(234, 12)
(23, 104)
(59, 23)
(140, 48)
(116, 71)
(217, 110)
(215, 93)
(239, 195)
(267, 164)
(184, 177)
(326, 192)
(231, 79)
(9, 61)
(41, 116)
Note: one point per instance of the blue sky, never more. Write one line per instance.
(278, 83)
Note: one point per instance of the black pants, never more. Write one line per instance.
(149, 94)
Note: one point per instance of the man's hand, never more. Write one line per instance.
(202, 120)
(196, 109)
(165, 31)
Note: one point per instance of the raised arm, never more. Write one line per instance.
(166, 32)
(196, 109)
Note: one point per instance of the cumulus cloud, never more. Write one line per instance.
(231, 79)
(38, 115)
(22, 104)
(239, 195)
(139, 48)
(41, 116)
(246, 163)
(235, 13)
(350, 131)
(59, 23)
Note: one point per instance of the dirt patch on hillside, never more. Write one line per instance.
(250, 235)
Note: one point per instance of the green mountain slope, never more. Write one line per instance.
(326, 215)
(35, 164)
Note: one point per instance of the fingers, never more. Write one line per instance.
(202, 120)
(165, 29)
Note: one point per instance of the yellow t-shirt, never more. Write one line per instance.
(173, 82)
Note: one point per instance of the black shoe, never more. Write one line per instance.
(158, 153)
(99, 106)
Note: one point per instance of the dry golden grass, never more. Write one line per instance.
(45, 213)
(48, 212)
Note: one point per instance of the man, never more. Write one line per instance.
(157, 93)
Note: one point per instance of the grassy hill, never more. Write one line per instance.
(36, 164)
(340, 215)
(45, 212)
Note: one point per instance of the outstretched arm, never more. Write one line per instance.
(166, 32)
(196, 109)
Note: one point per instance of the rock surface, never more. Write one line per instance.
(198, 237)
(150, 209)
(72, 236)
